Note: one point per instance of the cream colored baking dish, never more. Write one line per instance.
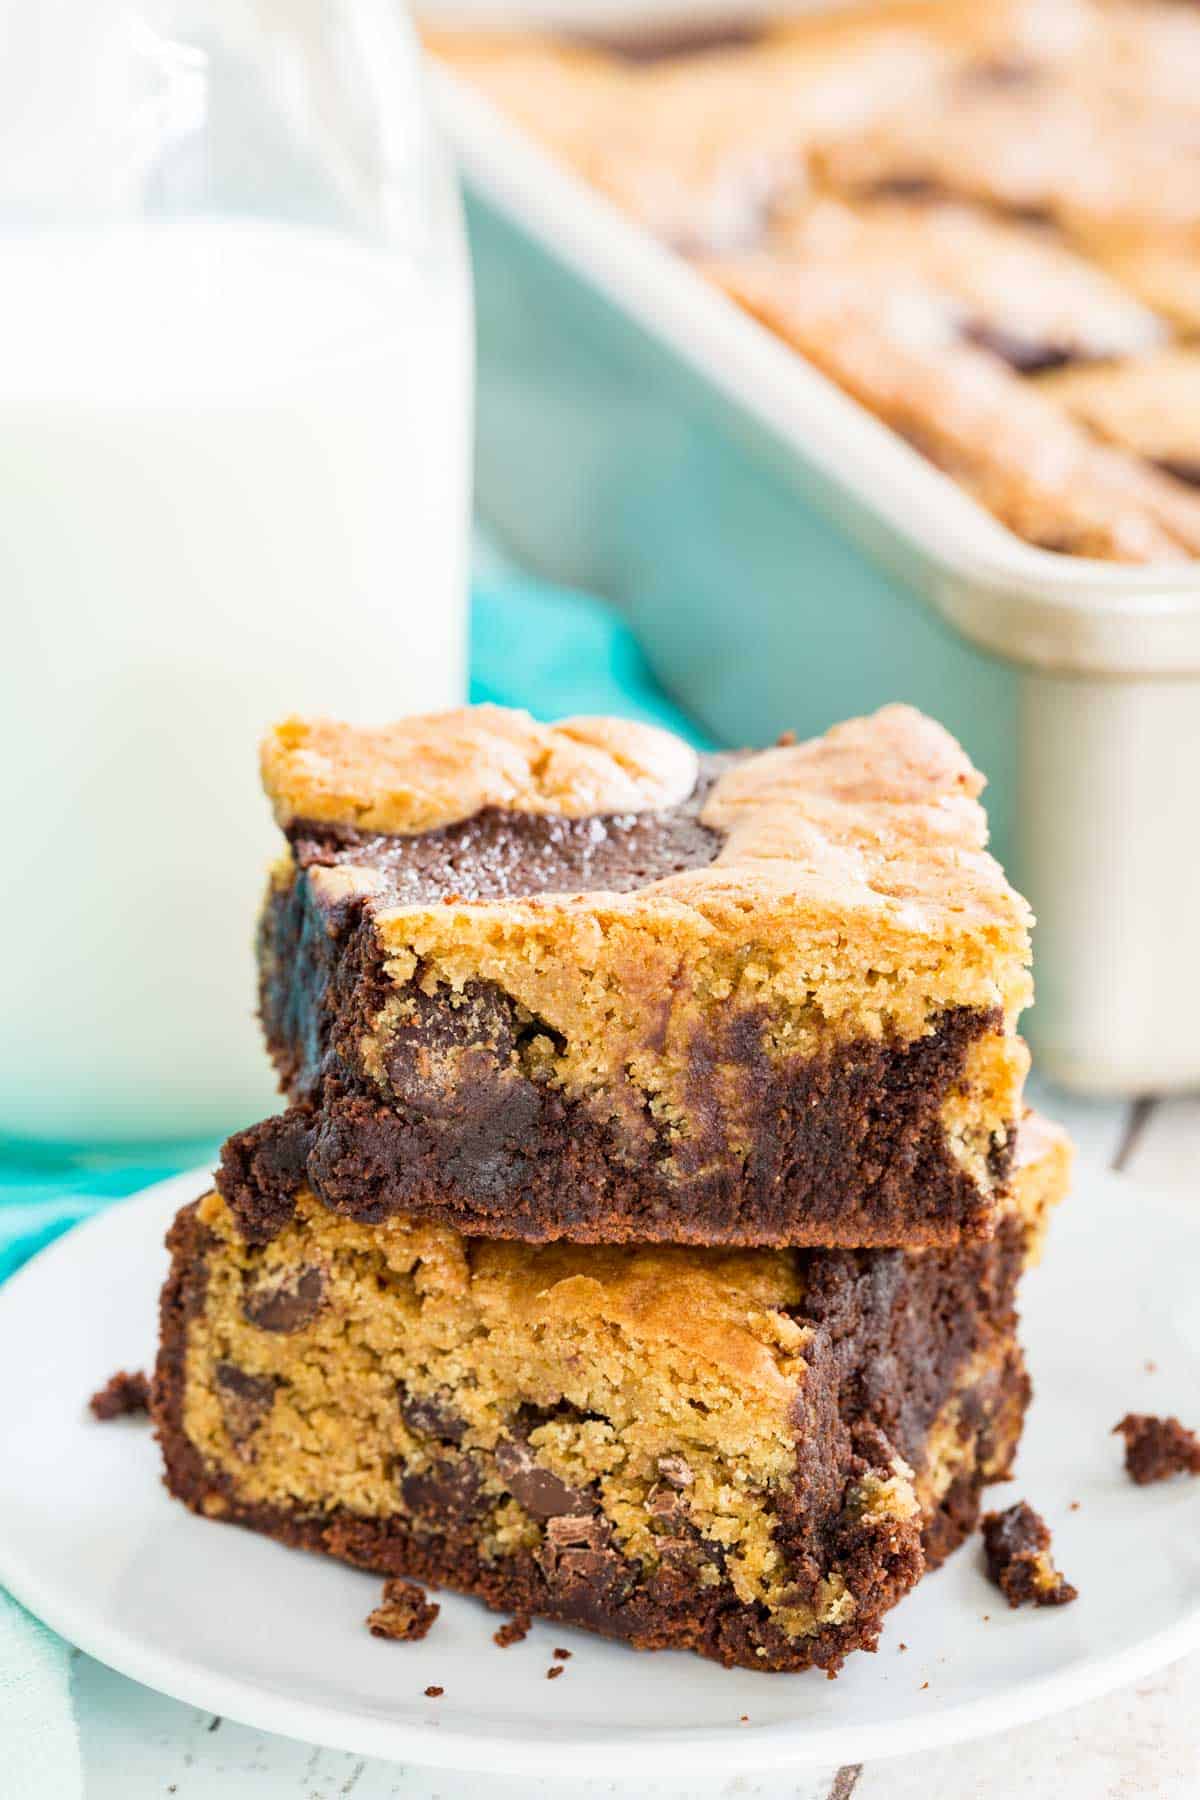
(787, 561)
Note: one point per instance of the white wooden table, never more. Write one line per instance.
(1139, 1743)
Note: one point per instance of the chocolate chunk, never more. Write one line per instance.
(1004, 69)
(429, 1416)
(684, 1555)
(1016, 1546)
(539, 1491)
(1183, 468)
(674, 41)
(405, 1614)
(285, 1300)
(122, 1394)
(1027, 355)
(665, 1503)
(569, 1533)
(246, 1400)
(1156, 1449)
(676, 1471)
(447, 1492)
(587, 1577)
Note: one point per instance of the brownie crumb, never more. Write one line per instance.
(122, 1394)
(405, 1613)
(1157, 1448)
(434, 1693)
(1016, 1544)
(514, 1632)
(553, 1673)
(561, 1654)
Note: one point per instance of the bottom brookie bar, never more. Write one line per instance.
(752, 1454)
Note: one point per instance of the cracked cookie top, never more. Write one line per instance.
(879, 813)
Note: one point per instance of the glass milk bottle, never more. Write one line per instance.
(235, 379)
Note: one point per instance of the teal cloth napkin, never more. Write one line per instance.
(547, 649)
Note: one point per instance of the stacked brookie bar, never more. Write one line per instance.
(641, 1245)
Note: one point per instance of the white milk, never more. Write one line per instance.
(233, 484)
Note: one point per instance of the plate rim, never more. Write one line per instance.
(723, 1749)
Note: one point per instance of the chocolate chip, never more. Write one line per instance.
(665, 1505)
(429, 1416)
(246, 1400)
(1004, 69)
(672, 42)
(285, 1300)
(1183, 468)
(539, 1491)
(570, 1533)
(683, 1555)
(447, 1491)
(1027, 355)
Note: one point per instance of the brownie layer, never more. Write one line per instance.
(738, 1452)
(851, 1148)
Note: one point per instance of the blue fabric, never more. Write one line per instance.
(557, 652)
(546, 649)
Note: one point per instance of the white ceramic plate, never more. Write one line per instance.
(217, 1617)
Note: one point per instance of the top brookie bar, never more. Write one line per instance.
(574, 982)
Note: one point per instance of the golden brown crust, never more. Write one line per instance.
(998, 436)
(433, 770)
(879, 814)
(1022, 289)
(1150, 405)
(439, 767)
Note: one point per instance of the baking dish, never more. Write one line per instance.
(788, 561)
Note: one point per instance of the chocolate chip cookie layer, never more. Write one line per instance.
(572, 981)
(751, 1454)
